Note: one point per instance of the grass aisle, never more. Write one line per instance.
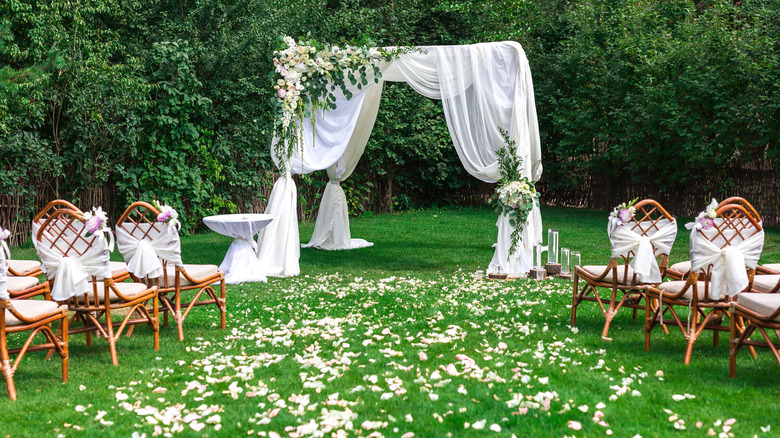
(399, 340)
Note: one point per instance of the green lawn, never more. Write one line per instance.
(398, 339)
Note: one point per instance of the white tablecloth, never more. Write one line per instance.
(241, 263)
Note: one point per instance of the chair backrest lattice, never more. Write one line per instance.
(649, 218)
(140, 221)
(64, 231)
(733, 225)
(59, 226)
(736, 200)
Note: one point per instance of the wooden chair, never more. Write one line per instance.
(733, 225)
(679, 270)
(118, 269)
(140, 222)
(24, 268)
(618, 277)
(102, 298)
(758, 311)
(33, 316)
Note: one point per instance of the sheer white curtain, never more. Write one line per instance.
(482, 86)
(279, 242)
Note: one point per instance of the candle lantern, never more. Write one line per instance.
(552, 267)
(537, 271)
(576, 260)
(565, 263)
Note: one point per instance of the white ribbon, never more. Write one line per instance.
(143, 256)
(71, 274)
(729, 276)
(4, 271)
(250, 241)
(644, 262)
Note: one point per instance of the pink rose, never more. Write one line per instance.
(281, 93)
(707, 223)
(164, 216)
(625, 215)
(93, 224)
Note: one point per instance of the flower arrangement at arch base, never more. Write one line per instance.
(516, 195)
(306, 74)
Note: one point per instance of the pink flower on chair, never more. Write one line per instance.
(625, 215)
(164, 216)
(706, 223)
(94, 224)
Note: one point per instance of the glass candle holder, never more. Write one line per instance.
(565, 261)
(576, 260)
(552, 246)
(537, 262)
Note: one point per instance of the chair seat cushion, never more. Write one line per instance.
(772, 266)
(674, 287)
(764, 304)
(129, 290)
(117, 268)
(597, 270)
(19, 284)
(24, 267)
(681, 267)
(31, 309)
(197, 272)
(765, 283)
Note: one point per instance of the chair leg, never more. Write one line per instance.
(110, 338)
(733, 347)
(574, 299)
(65, 353)
(177, 316)
(156, 323)
(222, 304)
(8, 371)
(649, 314)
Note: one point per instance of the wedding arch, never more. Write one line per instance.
(484, 88)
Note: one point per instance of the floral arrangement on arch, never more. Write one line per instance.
(516, 195)
(306, 73)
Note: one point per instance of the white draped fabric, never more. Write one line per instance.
(72, 274)
(482, 87)
(645, 248)
(240, 263)
(279, 242)
(143, 255)
(729, 276)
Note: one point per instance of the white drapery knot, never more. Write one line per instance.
(71, 274)
(248, 240)
(729, 276)
(4, 271)
(143, 256)
(644, 262)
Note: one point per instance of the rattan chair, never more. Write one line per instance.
(734, 226)
(103, 298)
(33, 316)
(118, 269)
(618, 277)
(140, 222)
(679, 270)
(24, 268)
(758, 311)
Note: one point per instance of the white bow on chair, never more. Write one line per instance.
(729, 276)
(143, 256)
(644, 263)
(71, 274)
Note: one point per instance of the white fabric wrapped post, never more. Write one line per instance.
(72, 274)
(729, 276)
(625, 240)
(4, 295)
(280, 247)
(240, 263)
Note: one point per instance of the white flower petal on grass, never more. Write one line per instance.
(121, 396)
(574, 425)
(766, 429)
(583, 408)
(495, 427)
(479, 425)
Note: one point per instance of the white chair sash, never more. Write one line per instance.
(4, 271)
(644, 262)
(71, 274)
(143, 256)
(728, 276)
